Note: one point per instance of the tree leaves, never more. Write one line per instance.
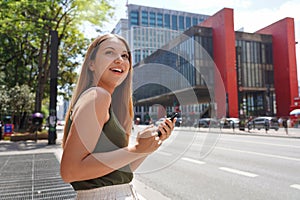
(25, 27)
(16, 100)
(25, 39)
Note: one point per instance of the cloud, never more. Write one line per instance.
(196, 5)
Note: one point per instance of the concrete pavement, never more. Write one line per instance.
(25, 153)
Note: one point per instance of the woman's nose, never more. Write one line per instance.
(119, 59)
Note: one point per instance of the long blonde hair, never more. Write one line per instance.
(121, 98)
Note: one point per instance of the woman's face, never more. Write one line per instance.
(111, 65)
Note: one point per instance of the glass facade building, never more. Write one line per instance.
(255, 74)
(190, 55)
(149, 28)
(256, 69)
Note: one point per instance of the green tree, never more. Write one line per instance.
(16, 102)
(4, 100)
(21, 102)
(25, 40)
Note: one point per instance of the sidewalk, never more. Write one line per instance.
(30, 170)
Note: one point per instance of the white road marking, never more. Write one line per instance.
(164, 153)
(193, 160)
(235, 171)
(141, 197)
(264, 143)
(297, 186)
(260, 154)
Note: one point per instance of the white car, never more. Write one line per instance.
(158, 122)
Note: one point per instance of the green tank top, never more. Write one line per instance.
(113, 137)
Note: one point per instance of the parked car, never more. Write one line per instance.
(177, 123)
(158, 122)
(206, 122)
(263, 123)
(228, 122)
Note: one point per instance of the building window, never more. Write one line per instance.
(152, 19)
(181, 23)
(137, 56)
(187, 22)
(167, 21)
(159, 20)
(201, 19)
(134, 18)
(145, 18)
(195, 21)
(174, 22)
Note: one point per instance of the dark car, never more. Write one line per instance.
(178, 122)
(206, 122)
(263, 123)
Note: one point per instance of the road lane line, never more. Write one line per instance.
(260, 154)
(235, 171)
(193, 160)
(297, 186)
(164, 153)
(264, 143)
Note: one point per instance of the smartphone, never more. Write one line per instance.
(171, 118)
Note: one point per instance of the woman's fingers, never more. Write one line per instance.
(166, 128)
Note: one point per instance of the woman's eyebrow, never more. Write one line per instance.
(109, 48)
(125, 51)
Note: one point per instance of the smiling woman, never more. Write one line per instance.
(96, 159)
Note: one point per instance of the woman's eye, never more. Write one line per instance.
(125, 56)
(109, 53)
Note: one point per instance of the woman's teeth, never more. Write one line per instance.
(117, 70)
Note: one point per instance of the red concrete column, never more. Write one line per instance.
(224, 58)
(285, 67)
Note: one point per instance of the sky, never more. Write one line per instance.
(251, 15)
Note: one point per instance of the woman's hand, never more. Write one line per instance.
(166, 128)
(147, 140)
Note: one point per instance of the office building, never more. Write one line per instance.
(255, 73)
(148, 28)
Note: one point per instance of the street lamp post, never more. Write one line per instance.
(53, 88)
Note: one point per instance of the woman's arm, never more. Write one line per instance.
(135, 164)
(82, 165)
(78, 162)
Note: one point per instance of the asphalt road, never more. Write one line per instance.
(195, 165)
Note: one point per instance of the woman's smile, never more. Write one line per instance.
(117, 70)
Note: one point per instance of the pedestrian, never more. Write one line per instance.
(232, 125)
(267, 125)
(97, 159)
(0, 130)
(285, 125)
(147, 118)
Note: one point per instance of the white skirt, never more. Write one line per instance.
(113, 192)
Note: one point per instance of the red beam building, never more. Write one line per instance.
(285, 80)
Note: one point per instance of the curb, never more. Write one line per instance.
(238, 132)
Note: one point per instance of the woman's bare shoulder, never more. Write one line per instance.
(97, 93)
(95, 96)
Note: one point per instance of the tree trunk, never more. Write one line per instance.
(43, 72)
